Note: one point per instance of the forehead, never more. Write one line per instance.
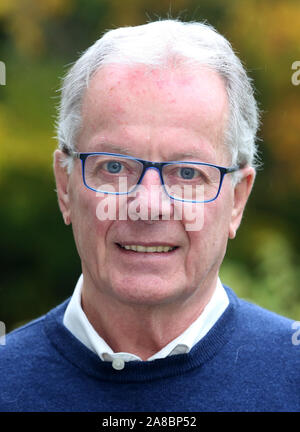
(157, 103)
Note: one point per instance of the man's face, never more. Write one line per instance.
(158, 115)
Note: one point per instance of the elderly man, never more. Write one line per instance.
(155, 164)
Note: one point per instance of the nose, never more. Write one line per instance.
(151, 177)
(151, 201)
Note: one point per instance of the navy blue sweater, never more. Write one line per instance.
(247, 362)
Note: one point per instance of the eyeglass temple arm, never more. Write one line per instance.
(69, 152)
(235, 168)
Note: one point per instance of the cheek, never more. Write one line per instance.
(209, 242)
(192, 216)
(216, 221)
(89, 231)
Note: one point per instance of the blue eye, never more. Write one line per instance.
(187, 173)
(114, 167)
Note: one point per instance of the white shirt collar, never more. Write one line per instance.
(78, 324)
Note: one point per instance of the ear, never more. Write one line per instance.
(241, 194)
(62, 182)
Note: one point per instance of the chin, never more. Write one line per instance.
(146, 292)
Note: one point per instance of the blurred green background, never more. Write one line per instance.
(38, 40)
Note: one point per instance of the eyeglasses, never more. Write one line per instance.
(119, 174)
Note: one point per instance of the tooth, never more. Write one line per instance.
(140, 248)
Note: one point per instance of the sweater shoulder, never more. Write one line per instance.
(256, 317)
(267, 332)
(29, 340)
(18, 340)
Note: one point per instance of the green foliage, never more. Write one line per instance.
(39, 261)
(272, 279)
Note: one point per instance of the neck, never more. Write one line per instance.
(139, 329)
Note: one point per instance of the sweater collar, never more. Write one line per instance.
(78, 324)
(79, 356)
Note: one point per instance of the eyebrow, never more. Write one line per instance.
(113, 148)
(185, 155)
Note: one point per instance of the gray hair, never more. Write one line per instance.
(155, 44)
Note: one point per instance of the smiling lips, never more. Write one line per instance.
(148, 249)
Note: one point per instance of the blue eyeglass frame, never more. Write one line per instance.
(158, 166)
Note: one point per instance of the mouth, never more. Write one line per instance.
(147, 249)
